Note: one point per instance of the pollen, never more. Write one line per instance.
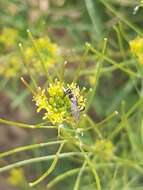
(8, 37)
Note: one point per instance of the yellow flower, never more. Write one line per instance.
(136, 47)
(41, 99)
(55, 89)
(29, 53)
(105, 149)
(55, 118)
(9, 37)
(16, 177)
(56, 103)
(11, 67)
(48, 52)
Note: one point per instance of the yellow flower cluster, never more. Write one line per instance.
(56, 103)
(8, 37)
(11, 67)
(105, 149)
(136, 47)
(16, 177)
(47, 50)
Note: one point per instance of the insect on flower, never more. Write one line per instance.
(74, 103)
(60, 103)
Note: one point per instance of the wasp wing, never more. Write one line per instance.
(74, 109)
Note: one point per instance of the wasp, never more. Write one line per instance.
(75, 109)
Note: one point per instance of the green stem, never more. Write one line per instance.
(63, 176)
(97, 72)
(106, 69)
(28, 147)
(77, 183)
(120, 42)
(49, 171)
(82, 63)
(95, 126)
(121, 17)
(38, 159)
(27, 85)
(129, 72)
(115, 113)
(92, 168)
(23, 125)
(38, 53)
(127, 115)
(26, 65)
